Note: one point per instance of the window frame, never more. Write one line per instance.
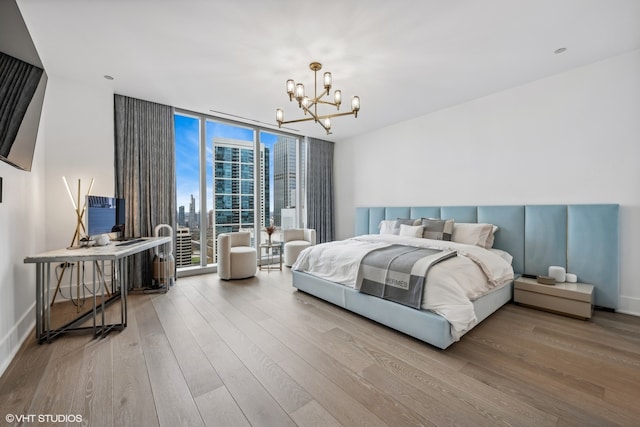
(204, 267)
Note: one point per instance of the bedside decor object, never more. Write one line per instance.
(559, 273)
(571, 278)
(310, 105)
(546, 280)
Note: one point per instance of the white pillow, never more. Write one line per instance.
(473, 234)
(411, 230)
(386, 226)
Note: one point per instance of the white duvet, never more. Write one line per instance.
(451, 286)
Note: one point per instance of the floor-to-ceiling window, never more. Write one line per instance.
(241, 177)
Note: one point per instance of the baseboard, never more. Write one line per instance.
(629, 305)
(11, 343)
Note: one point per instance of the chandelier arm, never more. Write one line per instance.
(328, 103)
(298, 120)
(329, 116)
(314, 114)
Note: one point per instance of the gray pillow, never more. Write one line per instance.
(437, 229)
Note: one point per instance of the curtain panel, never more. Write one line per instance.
(144, 174)
(320, 189)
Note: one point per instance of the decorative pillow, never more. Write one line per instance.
(386, 226)
(437, 229)
(400, 221)
(410, 230)
(473, 234)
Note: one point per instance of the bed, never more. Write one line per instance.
(583, 238)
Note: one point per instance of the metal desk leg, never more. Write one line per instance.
(102, 284)
(123, 295)
(124, 286)
(39, 300)
(47, 308)
(95, 302)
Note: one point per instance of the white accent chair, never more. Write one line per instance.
(295, 241)
(236, 258)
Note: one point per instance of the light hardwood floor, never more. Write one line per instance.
(257, 352)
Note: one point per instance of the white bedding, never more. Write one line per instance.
(451, 286)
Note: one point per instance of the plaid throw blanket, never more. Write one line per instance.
(398, 273)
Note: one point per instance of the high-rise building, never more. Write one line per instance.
(183, 247)
(265, 189)
(234, 184)
(193, 222)
(284, 176)
(181, 217)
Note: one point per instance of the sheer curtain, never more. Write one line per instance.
(320, 189)
(144, 173)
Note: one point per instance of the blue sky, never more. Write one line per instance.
(187, 154)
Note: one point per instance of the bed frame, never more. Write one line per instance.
(582, 238)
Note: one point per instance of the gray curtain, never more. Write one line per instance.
(320, 189)
(144, 174)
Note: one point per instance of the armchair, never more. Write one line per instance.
(236, 258)
(295, 241)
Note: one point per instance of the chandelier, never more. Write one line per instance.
(310, 105)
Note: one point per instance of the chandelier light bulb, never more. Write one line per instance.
(355, 103)
(291, 85)
(299, 91)
(279, 115)
(337, 98)
(306, 101)
(327, 80)
(327, 124)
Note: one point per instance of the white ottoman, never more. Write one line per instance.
(243, 262)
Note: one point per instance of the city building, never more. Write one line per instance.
(184, 249)
(284, 176)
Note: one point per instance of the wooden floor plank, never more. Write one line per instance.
(93, 397)
(219, 409)
(314, 415)
(132, 394)
(174, 402)
(198, 372)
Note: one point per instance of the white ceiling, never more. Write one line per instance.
(404, 58)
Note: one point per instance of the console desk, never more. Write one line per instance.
(116, 253)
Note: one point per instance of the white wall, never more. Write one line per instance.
(79, 146)
(76, 140)
(21, 234)
(570, 138)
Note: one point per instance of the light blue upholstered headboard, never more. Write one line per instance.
(582, 238)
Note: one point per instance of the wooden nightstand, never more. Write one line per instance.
(571, 299)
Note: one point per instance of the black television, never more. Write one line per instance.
(105, 215)
(23, 83)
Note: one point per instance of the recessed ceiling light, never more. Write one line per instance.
(108, 77)
(560, 50)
